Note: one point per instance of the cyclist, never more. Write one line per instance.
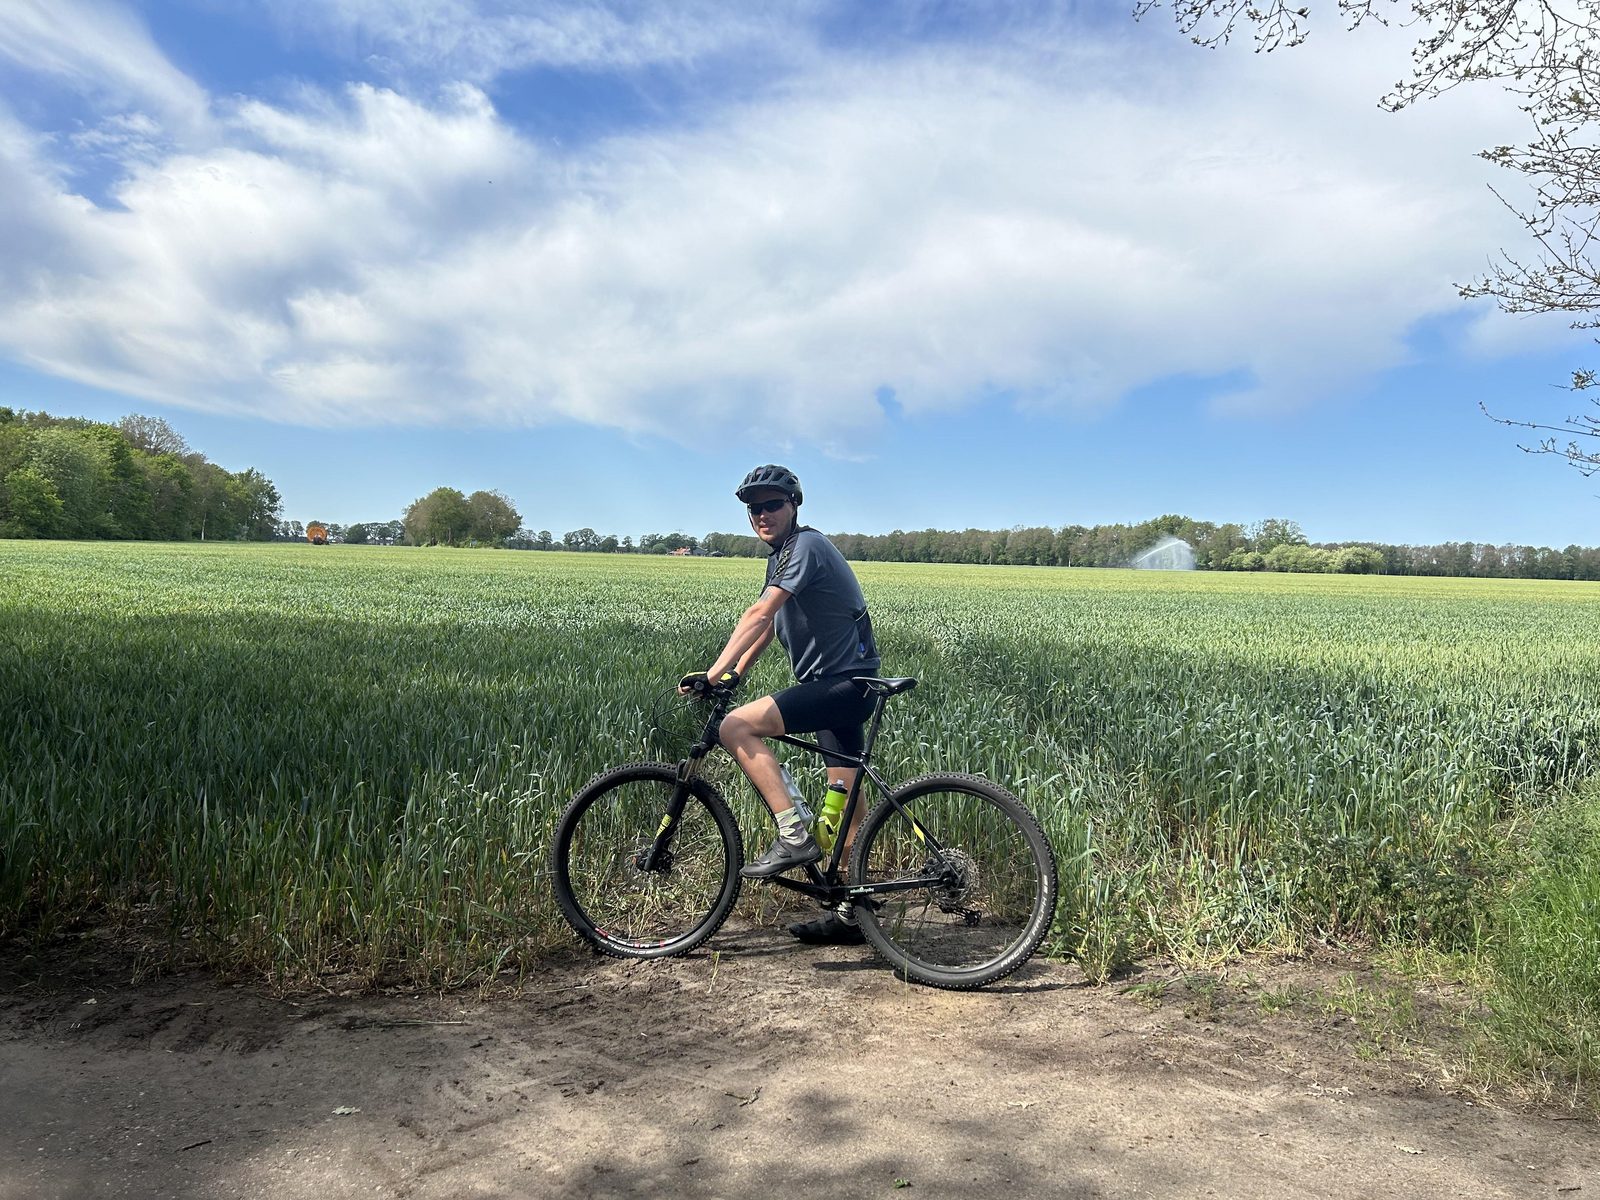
(814, 605)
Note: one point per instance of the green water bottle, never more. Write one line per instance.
(829, 818)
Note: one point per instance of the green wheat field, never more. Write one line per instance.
(297, 760)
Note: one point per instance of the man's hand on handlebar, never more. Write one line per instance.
(701, 683)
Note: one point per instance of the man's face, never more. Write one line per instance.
(770, 527)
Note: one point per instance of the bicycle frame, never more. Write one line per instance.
(820, 884)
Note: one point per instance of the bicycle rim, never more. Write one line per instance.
(992, 881)
(605, 834)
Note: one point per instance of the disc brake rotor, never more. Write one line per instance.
(635, 864)
(960, 880)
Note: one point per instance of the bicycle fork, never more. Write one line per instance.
(688, 769)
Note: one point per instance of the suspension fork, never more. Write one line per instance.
(688, 770)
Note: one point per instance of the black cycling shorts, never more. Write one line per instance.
(834, 709)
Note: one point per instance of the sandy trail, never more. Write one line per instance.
(760, 1066)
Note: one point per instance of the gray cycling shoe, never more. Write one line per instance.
(781, 857)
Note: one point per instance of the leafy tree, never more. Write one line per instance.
(216, 504)
(442, 516)
(1357, 560)
(387, 533)
(493, 518)
(1245, 560)
(13, 442)
(169, 484)
(737, 544)
(1267, 535)
(356, 534)
(258, 505)
(80, 474)
(126, 490)
(152, 435)
(29, 505)
(580, 539)
(666, 543)
(1296, 556)
(1024, 547)
(111, 485)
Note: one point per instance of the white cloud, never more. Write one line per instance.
(1060, 224)
(475, 41)
(104, 50)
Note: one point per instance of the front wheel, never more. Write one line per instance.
(969, 881)
(603, 840)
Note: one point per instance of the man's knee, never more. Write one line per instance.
(733, 732)
(747, 725)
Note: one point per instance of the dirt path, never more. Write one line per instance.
(712, 1077)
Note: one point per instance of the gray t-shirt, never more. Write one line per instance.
(825, 626)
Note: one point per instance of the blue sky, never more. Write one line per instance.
(955, 269)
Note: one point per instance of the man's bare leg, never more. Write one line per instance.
(744, 733)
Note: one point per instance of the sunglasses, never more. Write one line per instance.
(766, 506)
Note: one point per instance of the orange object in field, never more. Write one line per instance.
(317, 534)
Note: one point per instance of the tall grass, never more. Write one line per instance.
(303, 759)
(1544, 1000)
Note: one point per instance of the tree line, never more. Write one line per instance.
(1275, 544)
(66, 477)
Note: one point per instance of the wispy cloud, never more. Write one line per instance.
(476, 41)
(1060, 224)
(106, 52)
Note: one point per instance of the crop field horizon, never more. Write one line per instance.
(300, 760)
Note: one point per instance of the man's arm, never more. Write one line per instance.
(751, 635)
(747, 660)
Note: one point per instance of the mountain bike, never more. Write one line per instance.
(952, 879)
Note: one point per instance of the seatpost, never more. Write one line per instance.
(872, 732)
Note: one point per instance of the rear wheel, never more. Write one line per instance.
(979, 876)
(602, 840)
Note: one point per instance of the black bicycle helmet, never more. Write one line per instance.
(771, 476)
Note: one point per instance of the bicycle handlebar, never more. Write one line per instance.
(697, 684)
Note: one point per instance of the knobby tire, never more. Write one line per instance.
(602, 835)
(997, 895)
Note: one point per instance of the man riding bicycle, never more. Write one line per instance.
(813, 603)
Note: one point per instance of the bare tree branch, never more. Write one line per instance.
(1582, 425)
(1546, 53)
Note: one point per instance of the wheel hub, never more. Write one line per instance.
(959, 880)
(642, 852)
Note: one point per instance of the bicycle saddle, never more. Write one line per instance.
(884, 687)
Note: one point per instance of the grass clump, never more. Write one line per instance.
(1544, 995)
